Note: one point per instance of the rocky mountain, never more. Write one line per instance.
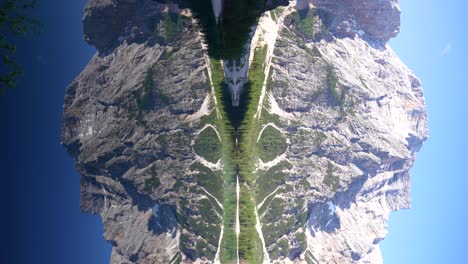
(294, 151)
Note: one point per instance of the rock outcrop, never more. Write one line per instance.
(338, 123)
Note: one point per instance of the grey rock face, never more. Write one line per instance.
(351, 113)
(105, 20)
(128, 121)
(354, 116)
(380, 20)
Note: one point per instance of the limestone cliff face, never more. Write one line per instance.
(142, 122)
(354, 116)
(129, 120)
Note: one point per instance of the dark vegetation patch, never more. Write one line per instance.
(227, 38)
(153, 182)
(208, 179)
(169, 26)
(229, 242)
(279, 222)
(175, 144)
(249, 241)
(304, 139)
(238, 123)
(272, 143)
(149, 97)
(310, 23)
(281, 248)
(202, 222)
(268, 181)
(207, 145)
(331, 180)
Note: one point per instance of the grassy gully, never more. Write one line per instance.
(240, 129)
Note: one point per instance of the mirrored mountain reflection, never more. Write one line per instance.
(292, 147)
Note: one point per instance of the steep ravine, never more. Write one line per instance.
(290, 142)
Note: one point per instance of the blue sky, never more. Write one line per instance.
(40, 221)
(40, 188)
(433, 42)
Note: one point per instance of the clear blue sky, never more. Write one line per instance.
(40, 218)
(433, 42)
(41, 222)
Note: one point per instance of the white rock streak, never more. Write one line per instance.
(213, 127)
(208, 69)
(208, 164)
(267, 165)
(265, 126)
(217, 259)
(219, 204)
(268, 28)
(275, 109)
(266, 197)
(258, 226)
(204, 110)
